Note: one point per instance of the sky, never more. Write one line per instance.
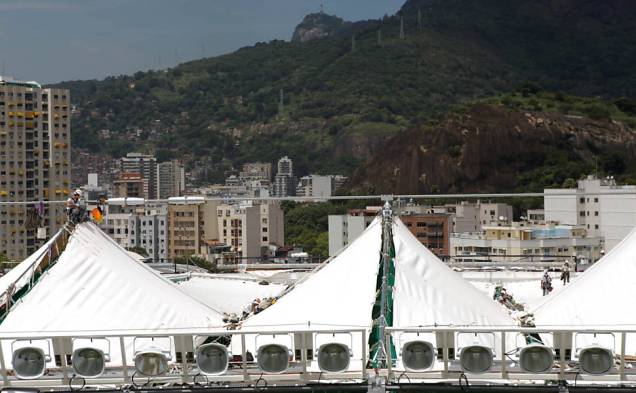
(57, 40)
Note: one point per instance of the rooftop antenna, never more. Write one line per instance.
(322, 7)
(401, 27)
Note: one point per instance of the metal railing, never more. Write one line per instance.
(303, 369)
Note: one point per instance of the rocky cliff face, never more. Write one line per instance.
(317, 26)
(491, 148)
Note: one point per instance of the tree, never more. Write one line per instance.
(139, 250)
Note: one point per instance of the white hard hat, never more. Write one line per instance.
(78, 192)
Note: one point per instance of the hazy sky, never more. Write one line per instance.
(55, 40)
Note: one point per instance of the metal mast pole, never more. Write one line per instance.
(387, 223)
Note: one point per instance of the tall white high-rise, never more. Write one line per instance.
(284, 180)
(35, 155)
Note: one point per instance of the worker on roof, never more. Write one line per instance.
(565, 273)
(546, 283)
(73, 207)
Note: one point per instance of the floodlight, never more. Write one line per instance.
(273, 358)
(89, 362)
(333, 357)
(596, 360)
(418, 355)
(536, 358)
(29, 362)
(212, 359)
(476, 359)
(151, 362)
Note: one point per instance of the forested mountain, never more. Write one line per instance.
(345, 94)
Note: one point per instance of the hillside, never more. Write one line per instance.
(342, 100)
(518, 142)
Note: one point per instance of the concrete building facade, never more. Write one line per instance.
(501, 243)
(170, 179)
(146, 165)
(604, 208)
(192, 223)
(35, 149)
(432, 230)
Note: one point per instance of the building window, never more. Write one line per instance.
(582, 200)
(582, 214)
(596, 200)
(264, 238)
(596, 214)
(596, 226)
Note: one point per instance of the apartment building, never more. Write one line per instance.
(432, 230)
(35, 148)
(517, 240)
(146, 166)
(132, 222)
(345, 228)
(604, 208)
(170, 179)
(239, 226)
(192, 224)
(272, 226)
(284, 182)
(129, 185)
(315, 186)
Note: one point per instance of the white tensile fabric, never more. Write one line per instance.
(20, 274)
(601, 298)
(229, 295)
(96, 286)
(428, 293)
(338, 296)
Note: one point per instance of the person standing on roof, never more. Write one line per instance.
(546, 283)
(565, 273)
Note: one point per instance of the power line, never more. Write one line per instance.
(199, 198)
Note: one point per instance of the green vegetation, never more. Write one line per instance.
(139, 250)
(621, 109)
(336, 99)
(306, 224)
(198, 261)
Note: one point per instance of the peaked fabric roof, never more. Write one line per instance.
(20, 275)
(97, 286)
(426, 292)
(602, 297)
(340, 294)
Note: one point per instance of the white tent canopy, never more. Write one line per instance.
(96, 286)
(600, 298)
(21, 274)
(229, 295)
(426, 292)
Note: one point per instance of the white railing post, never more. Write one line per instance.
(364, 354)
(504, 371)
(246, 376)
(124, 366)
(5, 378)
(621, 368)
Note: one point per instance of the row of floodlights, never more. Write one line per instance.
(213, 359)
